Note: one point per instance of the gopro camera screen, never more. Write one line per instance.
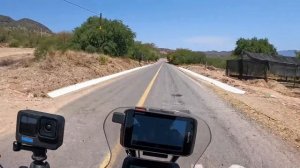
(28, 125)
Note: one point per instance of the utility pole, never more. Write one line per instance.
(100, 21)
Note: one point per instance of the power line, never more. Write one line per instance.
(81, 7)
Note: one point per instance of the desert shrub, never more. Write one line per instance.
(91, 49)
(185, 56)
(6, 62)
(40, 52)
(75, 47)
(298, 54)
(60, 42)
(144, 51)
(14, 43)
(102, 60)
(3, 38)
(31, 42)
(217, 62)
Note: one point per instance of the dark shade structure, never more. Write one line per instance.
(255, 65)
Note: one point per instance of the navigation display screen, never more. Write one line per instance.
(158, 132)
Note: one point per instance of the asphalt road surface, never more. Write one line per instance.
(235, 139)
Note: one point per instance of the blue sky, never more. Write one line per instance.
(194, 24)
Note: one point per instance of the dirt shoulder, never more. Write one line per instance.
(6, 52)
(271, 104)
(24, 83)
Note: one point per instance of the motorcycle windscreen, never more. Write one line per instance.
(118, 154)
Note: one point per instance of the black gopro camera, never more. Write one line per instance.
(39, 129)
(158, 132)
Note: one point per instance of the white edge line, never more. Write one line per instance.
(78, 86)
(214, 82)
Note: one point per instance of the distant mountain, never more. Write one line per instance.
(218, 53)
(207, 53)
(165, 50)
(287, 53)
(23, 24)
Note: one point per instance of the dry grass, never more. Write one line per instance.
(58, 70)
(6, 62)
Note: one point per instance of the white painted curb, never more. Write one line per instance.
(78, 86)
(214, 82)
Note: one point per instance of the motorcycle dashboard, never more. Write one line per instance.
(158, 132)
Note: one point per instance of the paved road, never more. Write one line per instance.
(236, 140)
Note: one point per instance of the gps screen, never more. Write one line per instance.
(157, 132)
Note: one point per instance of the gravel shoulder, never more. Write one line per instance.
(271, 104)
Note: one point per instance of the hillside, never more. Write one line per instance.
(287, 53)
(23, 24)
(165, 50)
(22, 74)
(218, 53)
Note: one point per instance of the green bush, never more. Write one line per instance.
(113, 38)
(19, 37)
(3, 38)
(254, 45)
(217, 62)
(102, 60)
(144, 52)
(298, 54)
(14, 43)
(91, 49)
(41, 52)
(184, 56)
(46, 44)
(31, 42)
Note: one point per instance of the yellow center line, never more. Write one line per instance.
(148, 89)
(141, 103)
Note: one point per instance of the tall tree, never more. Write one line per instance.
(110, 37)
(255, 45)
(145, 51)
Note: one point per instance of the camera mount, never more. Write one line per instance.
(39, 155)
(0, 163)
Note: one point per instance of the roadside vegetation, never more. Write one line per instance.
(254, 45)
(184, 56)
(298, 54)
(109, 37)
(144, 51)
(114, 38)
(19, 38)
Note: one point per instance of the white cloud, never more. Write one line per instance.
(210, 43)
